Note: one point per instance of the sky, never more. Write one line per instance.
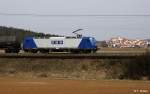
(101, 27)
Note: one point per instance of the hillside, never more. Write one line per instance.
(21, 33)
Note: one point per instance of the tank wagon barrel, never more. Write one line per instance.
(10, 44)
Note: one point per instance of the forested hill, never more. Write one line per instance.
(21, 33)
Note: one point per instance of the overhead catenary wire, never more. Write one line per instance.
(74, 15)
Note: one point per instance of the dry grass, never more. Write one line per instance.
(52, 68)
(136, 69)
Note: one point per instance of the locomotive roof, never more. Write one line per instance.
(68, 37)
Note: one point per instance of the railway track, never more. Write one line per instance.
(100, 55)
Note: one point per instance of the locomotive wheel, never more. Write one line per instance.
(26, 50)
(44, 51)
(34, 51)
(30, 51)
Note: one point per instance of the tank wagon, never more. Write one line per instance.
(10, 44)
(63, 44)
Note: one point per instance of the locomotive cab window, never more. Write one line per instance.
(60, 42)
(57, 42)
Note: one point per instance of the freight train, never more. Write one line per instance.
(77, 44)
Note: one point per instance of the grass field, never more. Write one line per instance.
(46, 86)
(123, 49)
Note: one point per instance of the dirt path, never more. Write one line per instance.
(45, 86)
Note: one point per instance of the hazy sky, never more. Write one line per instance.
(101, 27)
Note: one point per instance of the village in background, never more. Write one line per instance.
(121, 42)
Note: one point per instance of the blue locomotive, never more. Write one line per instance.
(65, 44)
